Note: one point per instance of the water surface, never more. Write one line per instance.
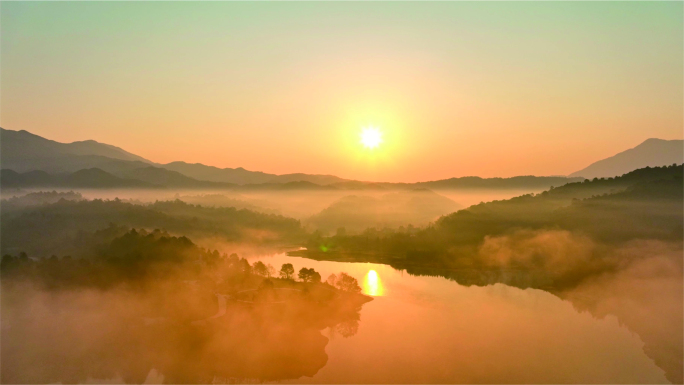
(421, 329)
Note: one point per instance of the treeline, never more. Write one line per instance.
(75, 226)
(342, 281)
(645, 203)
(37, 199)
(135, 257)
(139, 257)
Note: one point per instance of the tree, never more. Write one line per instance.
(315, 276)
(287, 271)
(244, 266)
(270, 270)
(309, 275)
(304, 274)
(332, 278)
(260, 268)
(348, 283)
(233, 259)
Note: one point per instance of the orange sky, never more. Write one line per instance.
(488, 89)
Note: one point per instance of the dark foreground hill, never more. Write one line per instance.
(643, 204)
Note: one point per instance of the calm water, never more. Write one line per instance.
(417, 329)
(430, 329)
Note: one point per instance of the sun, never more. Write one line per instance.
(371, 137)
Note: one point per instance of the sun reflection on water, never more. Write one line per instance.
(372, 285)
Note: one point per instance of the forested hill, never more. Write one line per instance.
(75, 226)
(604, 200)
(645, 204)
(527, 207)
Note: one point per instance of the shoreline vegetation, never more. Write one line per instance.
(162, 297)
(599, 215)
(602, 214)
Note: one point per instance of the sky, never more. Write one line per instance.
(455, 88)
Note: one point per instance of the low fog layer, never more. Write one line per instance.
(356, 213)
(609, 246)
(325, 211)
(149, 301)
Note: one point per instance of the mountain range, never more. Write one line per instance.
(86, 178)
(651, 153)
(22, 151)
(29, 160)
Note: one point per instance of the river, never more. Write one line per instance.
(421, 329)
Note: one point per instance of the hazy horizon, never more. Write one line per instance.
(527, 226)
(456, 89)
(378, 181)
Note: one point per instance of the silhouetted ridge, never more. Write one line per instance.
(87, 178)
(23, 152)
(651, 153)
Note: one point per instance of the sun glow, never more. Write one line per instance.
(372, 285)
(371, 137)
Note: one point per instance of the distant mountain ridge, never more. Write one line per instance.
(651, 153)
(23, 152)
(86, 178)
(241, 176)
(147, 177)
(516, 182)
(22, 148)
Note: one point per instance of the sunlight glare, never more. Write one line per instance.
(371, 137)
(372, 285)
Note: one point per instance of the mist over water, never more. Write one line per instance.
(417, 329)
(616, 319)
(300, 204)
(454, 192)
(175, 328)
(422, 329)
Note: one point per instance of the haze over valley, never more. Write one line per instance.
(322, 192)
(574, 236)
